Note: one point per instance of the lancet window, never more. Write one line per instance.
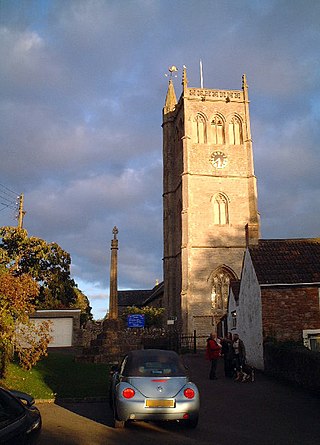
(218, 130)
(235, 131)
(200, 129)
(220, 209)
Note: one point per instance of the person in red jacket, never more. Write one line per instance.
(213, 353)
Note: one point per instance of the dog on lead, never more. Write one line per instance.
(246, 374)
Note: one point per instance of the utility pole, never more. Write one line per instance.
(21, 211)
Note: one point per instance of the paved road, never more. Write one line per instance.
(261, 413)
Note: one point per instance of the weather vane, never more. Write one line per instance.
(172, 70)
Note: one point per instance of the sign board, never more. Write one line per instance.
(136, 321)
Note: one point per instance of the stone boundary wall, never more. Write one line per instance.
(113, 342)
(89, 332)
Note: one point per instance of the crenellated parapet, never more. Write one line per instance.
(207, 94)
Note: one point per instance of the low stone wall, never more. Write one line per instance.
(90, 332)
(297, 365)
(115, 340)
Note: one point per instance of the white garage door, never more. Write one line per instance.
(61, 331)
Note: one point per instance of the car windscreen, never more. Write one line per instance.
(10, 409)
(155, 364)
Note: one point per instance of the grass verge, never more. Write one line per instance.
(59, 376)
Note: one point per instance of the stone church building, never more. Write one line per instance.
(209, 201)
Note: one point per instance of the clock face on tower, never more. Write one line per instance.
(219, 159)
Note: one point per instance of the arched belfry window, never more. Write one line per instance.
(235, 131)
(217, 124)
(220, 288)
(200, 129)
(220, 209)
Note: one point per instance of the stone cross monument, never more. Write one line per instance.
(113, 301)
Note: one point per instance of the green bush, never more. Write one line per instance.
(294, 363)
(153, 315)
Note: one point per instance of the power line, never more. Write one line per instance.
(9, 199)
(5, 198)
(7, 204)
(12, 206)
(6, 190)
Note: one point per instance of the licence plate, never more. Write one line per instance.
(160, 403)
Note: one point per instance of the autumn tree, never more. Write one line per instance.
(34, 274)
(83, 304)
(17, 296)
(47, 263)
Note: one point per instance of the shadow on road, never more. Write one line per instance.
(263, 412)
(97, 411)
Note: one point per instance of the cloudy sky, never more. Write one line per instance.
(82, 89)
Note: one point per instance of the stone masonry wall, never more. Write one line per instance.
(197, 242)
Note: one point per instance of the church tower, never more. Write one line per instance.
(209, 201)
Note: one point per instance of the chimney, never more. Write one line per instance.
(252, 234)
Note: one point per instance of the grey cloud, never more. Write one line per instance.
(82, 93)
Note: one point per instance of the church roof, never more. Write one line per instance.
(133, 297)
(287, 261)
(157, 292)
(140, 297)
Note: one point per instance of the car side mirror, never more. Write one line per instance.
(26, 399)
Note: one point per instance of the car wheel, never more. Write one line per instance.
(119, 423)
(192, 423)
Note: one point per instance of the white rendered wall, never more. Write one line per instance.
(249, 315)
(61, 331)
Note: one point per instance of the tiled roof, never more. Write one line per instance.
(287, 261)
(139, 297)
(133, 297)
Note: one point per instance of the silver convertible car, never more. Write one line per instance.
(152, 385)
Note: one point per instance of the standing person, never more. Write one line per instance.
(212, 354)
(227, 353)
(239, 355)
